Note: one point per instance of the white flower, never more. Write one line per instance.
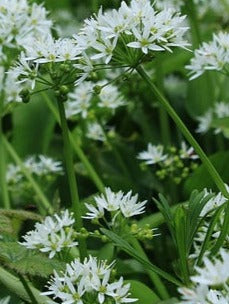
(24, 72)
(127, 204)
(48, 166)
(85, 66)
(214, 202)
(79, 100)
(110, 200)
(104, 49)
(187, 152)
(205, 122)
(13, 174)
(221, 109)
(194, 296)
(214, 272)
(130, 206)
(51, 235)
(145, 41)
(120, 292)
(110, 97)
(153, 155)
(95, 131)
(217, 297)
(211, 56)
(45, 49)
(94, 213)
(43, 165)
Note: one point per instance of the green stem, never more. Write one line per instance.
(160, 287)
(71, 177)
(28, 289)
(79, 152)
(209, 166)
(43, 200)
(3, 183)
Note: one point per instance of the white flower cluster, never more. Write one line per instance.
(136, 26)
(118, 202)
(10, 87)
(88, 282)
(220, 110)
(52, 235)
(20, 21)
(80, 101)
(155, 154)
(83, 102)
(210, 282)
(40, 166)
(211, 56)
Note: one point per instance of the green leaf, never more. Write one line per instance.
(13, 284)
(124, 245)
(142, 292)
(24, 261)
(32, 121)
(106, 252)
(200, 96)
(201, 179)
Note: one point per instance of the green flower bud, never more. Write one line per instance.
(64, 89)
(25, 95)
(104, 238)
(65, 67)
(97, 89)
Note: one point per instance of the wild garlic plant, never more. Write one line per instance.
(107, 79)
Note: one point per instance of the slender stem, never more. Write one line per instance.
(79, 152)
(42, 198)
(28, 290)
(71, 177)
(3, 183)
(160, 287)
(209, 166)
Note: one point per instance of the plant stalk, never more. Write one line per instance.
(79, 152)
(163, 101)
(28, 289)
(3, 183)
(43, 199)
(71, 177)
